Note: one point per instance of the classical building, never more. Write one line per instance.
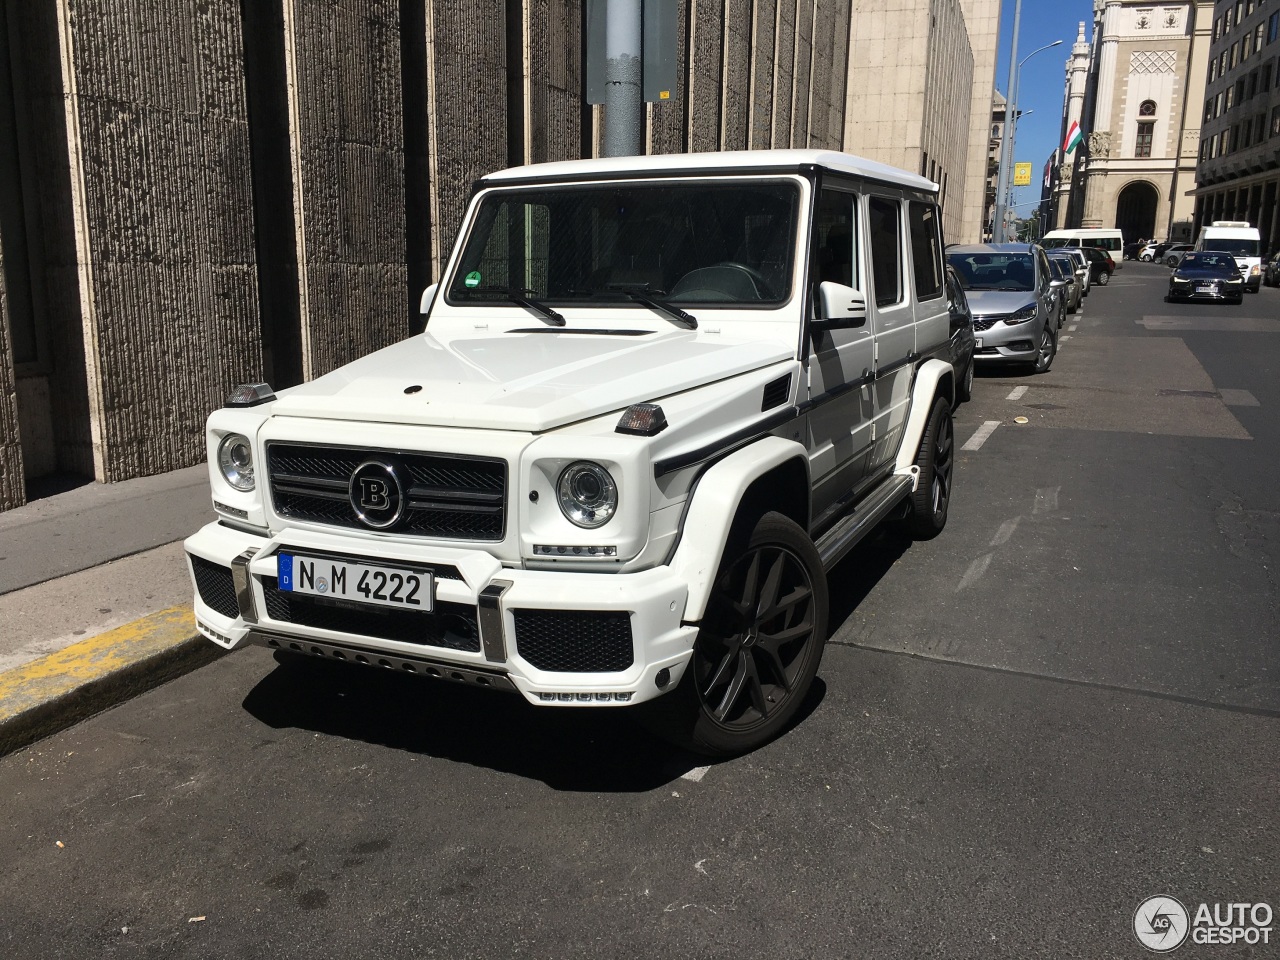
(1239, 171)
(1140, 114)
(919, 72)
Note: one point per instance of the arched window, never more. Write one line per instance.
(1146, 129)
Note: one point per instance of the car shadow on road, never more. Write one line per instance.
(854, 577)
(587, 749)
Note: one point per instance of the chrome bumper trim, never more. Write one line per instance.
(493, 638)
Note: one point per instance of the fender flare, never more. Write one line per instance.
(926, 387)
(715, 505)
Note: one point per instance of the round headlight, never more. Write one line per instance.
(588, 496)
(235, 460)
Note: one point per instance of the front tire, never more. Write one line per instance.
(931, 499)
(1047, 350)
(758, 648)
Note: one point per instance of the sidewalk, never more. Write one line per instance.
(95, 601)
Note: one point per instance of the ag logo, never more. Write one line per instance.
(1161, 924)
(376, 494)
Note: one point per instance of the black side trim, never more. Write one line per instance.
(897, 364)
(592, 331)
(834, 392)
(726, 445)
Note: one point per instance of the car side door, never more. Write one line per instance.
(841, 356)
(890, 308)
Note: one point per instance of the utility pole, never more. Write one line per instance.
(998, 234)
(624, 59)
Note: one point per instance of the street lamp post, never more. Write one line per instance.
(1010, 123)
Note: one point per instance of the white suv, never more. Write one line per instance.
(657, 399)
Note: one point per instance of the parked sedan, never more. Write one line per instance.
(1101, 266)
(1271, 272)
(1206, 276)
(1014, 310)
(962, 338)
(1073, 287)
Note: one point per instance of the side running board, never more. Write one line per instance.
(844, 536)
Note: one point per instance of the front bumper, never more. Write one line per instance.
(1002, 343)
(481, 613)
(1217, 291)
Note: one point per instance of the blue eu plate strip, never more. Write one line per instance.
(284, 571)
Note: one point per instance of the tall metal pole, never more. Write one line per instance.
(624, 101)
(1006, 143)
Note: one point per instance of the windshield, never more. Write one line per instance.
(994, 271)
(1205, 261)
(1237, 248)
(708, 242)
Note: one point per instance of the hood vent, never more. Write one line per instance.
(776, 392)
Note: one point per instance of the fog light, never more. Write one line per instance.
(663, 678)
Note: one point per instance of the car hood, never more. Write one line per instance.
(988, 303)
(529, 382)
(1205, 273)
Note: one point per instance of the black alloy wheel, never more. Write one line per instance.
(758, 649)
(935, 461)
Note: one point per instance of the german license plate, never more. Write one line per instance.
(1205, 288)
(362, 582)
(977, 343)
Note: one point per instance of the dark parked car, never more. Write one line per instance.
(1271, 272)
(1206, 276)
(1072, 287)
(961, 335)
(1101, 266)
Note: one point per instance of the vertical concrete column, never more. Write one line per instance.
(162, 219)
(706, 63)
(1077, 76)
(12, 489)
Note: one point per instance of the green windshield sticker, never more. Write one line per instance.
(472, 279)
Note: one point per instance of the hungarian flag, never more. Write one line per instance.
(1074, 136)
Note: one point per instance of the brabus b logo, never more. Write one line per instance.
(376, 494)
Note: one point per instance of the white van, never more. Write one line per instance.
(1242, 241)
(1109, 239)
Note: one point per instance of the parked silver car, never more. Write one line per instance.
(1015, 309)
(1083, 273)
(1073, 286)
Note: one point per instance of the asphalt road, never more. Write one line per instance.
(1065, 704)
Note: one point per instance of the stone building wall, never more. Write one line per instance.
(216, 191)
(159, 166)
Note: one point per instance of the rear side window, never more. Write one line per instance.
(926, 250)
(885, 233)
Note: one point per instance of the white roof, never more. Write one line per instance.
(715, 162)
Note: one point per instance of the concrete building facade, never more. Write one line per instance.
(1141, 118)
(911, 93)
(1239, 170)
(194, 195)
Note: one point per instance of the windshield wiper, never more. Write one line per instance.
(640, 295)
(517, 296)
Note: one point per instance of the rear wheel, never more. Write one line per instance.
(1104, 277)
(758, 649)
(930, 500)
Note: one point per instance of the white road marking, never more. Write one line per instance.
(975, 572)
(1005, 532)
(696, 774)
(978, 439)
(1064, 338)
(1072, 328)
(1046, 500)
(1016, 393)
(1238, 398)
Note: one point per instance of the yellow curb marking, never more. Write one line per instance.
(57, 673)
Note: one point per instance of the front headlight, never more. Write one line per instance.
(1255, 270)
(1235, 280)
(587, 494)
(1177, 280)
(1022, 316)
(235, 460)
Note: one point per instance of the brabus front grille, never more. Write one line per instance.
(448, 496)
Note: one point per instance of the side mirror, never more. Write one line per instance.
(429, 294)
(1057, 284)
(840, 307)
